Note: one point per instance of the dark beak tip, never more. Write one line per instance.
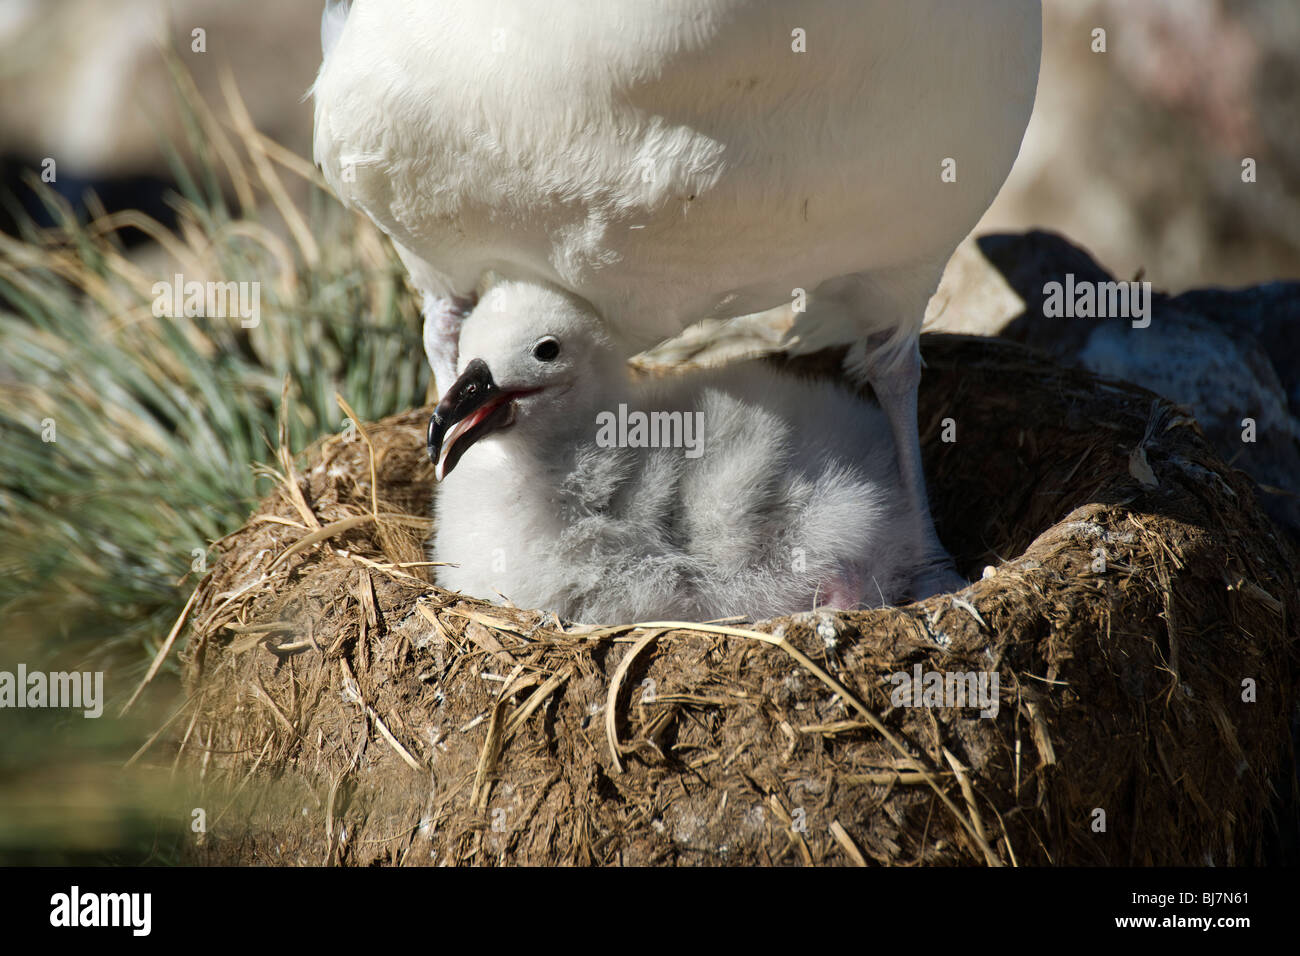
(470, 391)
(433, 436)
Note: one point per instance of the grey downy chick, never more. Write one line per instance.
(768, 494)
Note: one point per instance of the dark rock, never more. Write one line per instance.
(1228, 355)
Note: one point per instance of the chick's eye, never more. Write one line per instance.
(546, 350)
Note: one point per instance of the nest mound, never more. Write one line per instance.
(1138, 610)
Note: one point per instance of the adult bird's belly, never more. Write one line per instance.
(672, 160)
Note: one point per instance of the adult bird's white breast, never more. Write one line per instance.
(669, 160)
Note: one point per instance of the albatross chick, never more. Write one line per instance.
(567, 485)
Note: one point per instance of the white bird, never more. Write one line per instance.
(674, 160)
(568, 486)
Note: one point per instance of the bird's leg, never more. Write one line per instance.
(443, 317)
(894, 375)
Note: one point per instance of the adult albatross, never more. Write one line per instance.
(673, 160)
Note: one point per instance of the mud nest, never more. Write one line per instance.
(1137, 608)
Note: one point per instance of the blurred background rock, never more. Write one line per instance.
(1136, 153)
(85, 84)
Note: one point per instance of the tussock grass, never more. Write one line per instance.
(160, 423)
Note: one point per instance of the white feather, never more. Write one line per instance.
(332, 20)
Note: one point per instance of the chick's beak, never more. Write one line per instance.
(472, 407)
